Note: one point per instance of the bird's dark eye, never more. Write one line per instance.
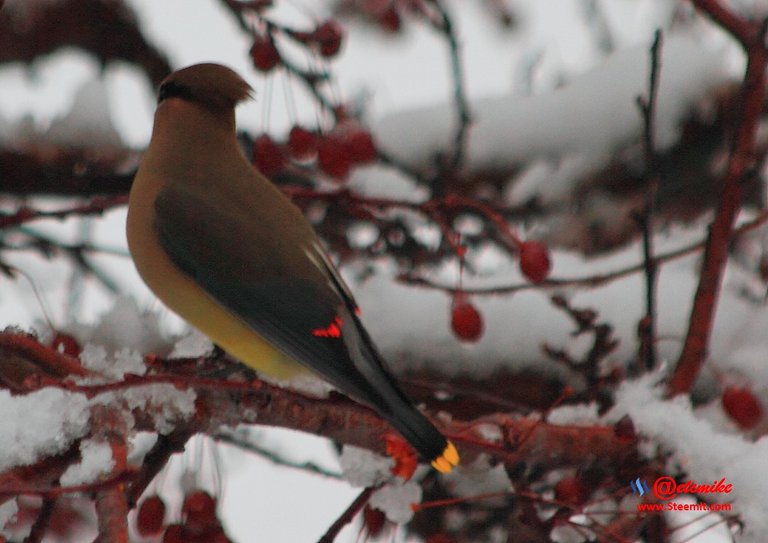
(171, 89)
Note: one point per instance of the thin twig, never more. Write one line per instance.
(272, 456)
(77, 253)
(647, 327)
(156, 460)
(38, 240)
(25, 174)
(97, 206)
(431, 209)
(40, 526)
(346, 517)
(445, 25)
(310, 78)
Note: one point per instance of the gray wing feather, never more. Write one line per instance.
(251, 275)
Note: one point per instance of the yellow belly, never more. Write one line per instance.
(186, 298)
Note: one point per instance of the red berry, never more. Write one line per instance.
(267, 156)
(360, 146)
(466, 321)
(572, 490)
(302, 143)
(67, 519)
(390, 20)
(624, 430)
(741, 405)
(199, 512)
(374, 521)
(149, 520)
(65, 344)
(534, 261)
(333, 157)
(328, 37)
(175, 534)
(264, 54)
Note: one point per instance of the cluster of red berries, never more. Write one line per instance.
(335, 152)
(326, 39)
(199, 520)
(466, 321)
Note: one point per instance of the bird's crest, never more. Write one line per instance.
(211, 85)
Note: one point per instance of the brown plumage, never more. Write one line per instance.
(206, 84)
(225, 249)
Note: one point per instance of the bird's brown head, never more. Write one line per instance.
(213, 86)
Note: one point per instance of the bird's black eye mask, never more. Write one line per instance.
(171, 89)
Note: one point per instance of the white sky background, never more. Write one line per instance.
(261, 502)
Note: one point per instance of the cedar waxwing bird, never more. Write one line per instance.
(221, 246)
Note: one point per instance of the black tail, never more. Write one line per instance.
(375, 386)
(391, 403)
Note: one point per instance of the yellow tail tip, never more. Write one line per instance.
(448, 460)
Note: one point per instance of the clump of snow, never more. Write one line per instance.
(193, 344)
(395, 500)
(478, 478)
(704, 452)
(363, 468)
(139, 444)
(88, 123)
(412, 328)
(580, 414)
(363, 234)
(307, 383)
(8, 511)
(384, 182)
(38, 424)
(166, 404)
(46, 422)
(549, 182)
(565, 533)
(95, 460)
(411, 324)
(685, 526)
(130, 361)
(585, 119)
(96, 358)
(125, 324)
(489, 432)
